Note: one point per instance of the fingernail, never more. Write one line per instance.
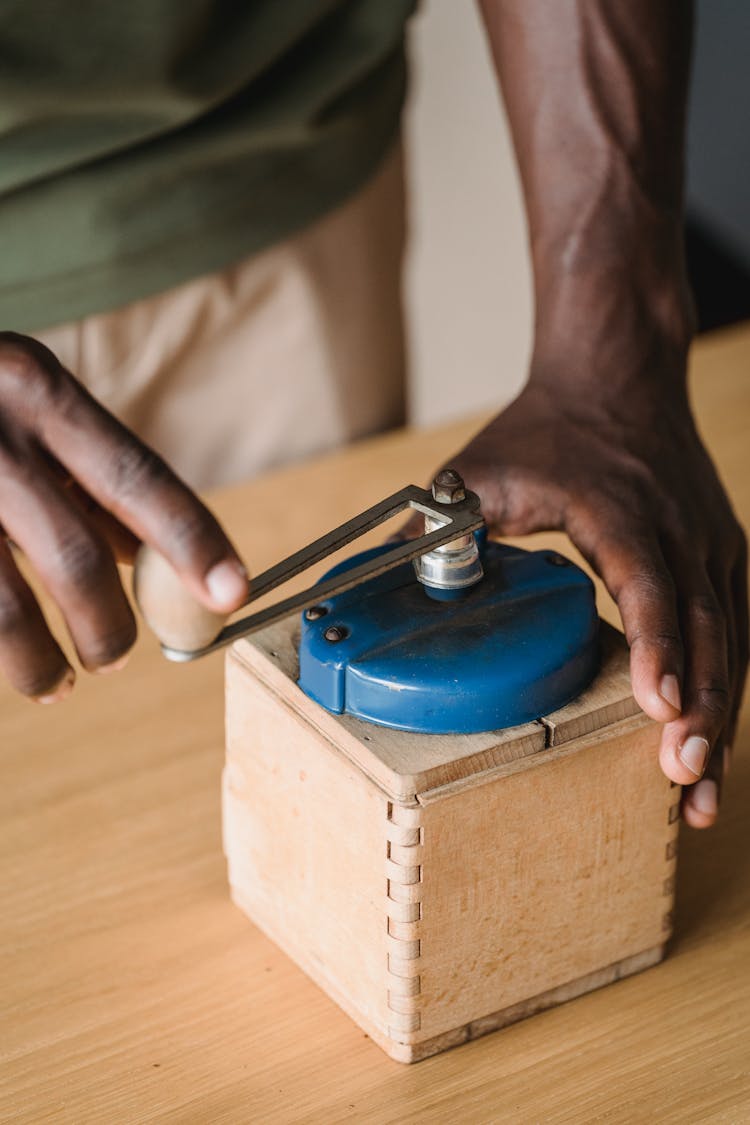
(704, 797)
(694, 753)
(669, 690)
(227, 584)
(62, 690)
(115, 666)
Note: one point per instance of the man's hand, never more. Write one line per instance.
(602, 443)
(630, 482)
(78, 492)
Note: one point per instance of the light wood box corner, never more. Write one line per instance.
(440, 887)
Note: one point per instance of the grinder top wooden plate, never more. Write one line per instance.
(405, 764)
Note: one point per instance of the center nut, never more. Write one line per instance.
(449, 570)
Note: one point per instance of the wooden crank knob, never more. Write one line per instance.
(168, 608)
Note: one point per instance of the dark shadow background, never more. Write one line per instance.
(718, 224)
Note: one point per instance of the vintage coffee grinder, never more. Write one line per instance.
(440, 797)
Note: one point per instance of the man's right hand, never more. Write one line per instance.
(78, 492)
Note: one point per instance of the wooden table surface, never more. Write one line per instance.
(132, 990)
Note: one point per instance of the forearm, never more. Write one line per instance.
(601, 443)
(595, 93)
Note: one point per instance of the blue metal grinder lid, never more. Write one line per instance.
(518, 645)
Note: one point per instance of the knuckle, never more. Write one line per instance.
(18, 366)
(17, 461)
(706, 611)
(514, 501)
(713, 699)
(663, 641)
(84, 561)
(647, 587)
(134, 469)
(191, 531)
(29, 373)
(61, 394)
(647, 583)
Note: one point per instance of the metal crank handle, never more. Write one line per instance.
(187, 630)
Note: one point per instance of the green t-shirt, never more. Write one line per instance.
(148, 142)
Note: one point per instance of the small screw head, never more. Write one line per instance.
(315, 612)
(336, 633)
(557, 560)
(448, 487)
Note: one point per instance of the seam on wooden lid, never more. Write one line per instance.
(403, 919)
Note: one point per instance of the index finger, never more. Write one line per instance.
(126, 477)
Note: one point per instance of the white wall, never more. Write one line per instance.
(468, 288)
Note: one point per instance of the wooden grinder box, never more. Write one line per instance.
(440, 887)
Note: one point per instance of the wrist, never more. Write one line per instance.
(621, 321)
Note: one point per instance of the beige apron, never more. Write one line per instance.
(290, 353)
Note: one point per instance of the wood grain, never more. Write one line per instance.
(305, 834)
(401, 764)
(134, 991)
(512, 883)
(550, 870)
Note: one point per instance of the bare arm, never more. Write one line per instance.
(602, 443)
